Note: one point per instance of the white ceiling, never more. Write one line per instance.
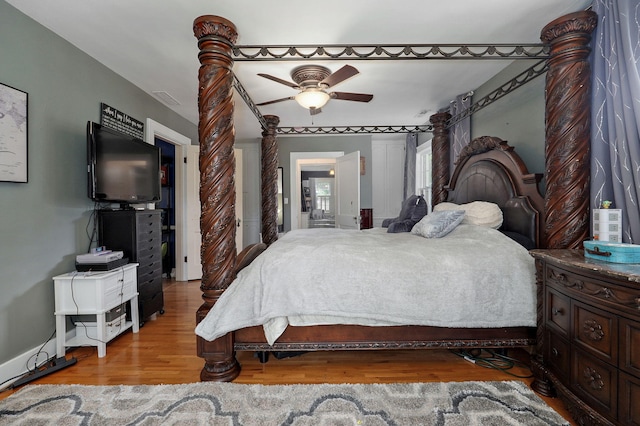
(151, 44)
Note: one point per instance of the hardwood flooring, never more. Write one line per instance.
(164, 352)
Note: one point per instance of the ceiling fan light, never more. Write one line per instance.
(312, 98)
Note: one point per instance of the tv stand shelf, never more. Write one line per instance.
(94, 293)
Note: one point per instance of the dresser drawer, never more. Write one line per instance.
(596, 381)
(618, 297)
(629, 337)
(90, 292)
(558, 355)
(596, 331)
(148, 223)
(124, 287)
(150, 253)
(150, 271)
(629, 400)
(558, 312)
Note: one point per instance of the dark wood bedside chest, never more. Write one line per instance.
(588, 339)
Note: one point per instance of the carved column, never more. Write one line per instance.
(216, 37)
(440, 152)
(270, 180)
(568, 118)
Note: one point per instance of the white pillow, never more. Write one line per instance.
(438, 224)
(481, 213)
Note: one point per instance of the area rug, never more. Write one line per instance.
(461, 403)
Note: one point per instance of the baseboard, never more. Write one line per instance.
(15, 368)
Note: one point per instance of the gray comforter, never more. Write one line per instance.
(473, 277)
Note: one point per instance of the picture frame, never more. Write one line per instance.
(13, 134)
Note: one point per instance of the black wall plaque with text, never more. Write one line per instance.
(118, 120)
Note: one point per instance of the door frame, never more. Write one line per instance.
(156, 130)
(296, 160)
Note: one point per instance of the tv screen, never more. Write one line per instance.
(122, 169)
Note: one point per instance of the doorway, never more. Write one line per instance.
(167, 205)
(298, 162)
(155, 130)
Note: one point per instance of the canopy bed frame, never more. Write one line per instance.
(560, 220)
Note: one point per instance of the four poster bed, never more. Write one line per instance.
(487, 170)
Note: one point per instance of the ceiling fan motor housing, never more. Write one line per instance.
(309, 75)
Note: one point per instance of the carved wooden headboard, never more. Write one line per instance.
(488, 169)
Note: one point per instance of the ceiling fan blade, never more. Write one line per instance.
(339, 76)
(279, 80)
(346, 96)
(276, 101)
(315, 111)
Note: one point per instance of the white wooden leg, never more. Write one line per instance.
(61, 331)
(100, 335)
(134, 314)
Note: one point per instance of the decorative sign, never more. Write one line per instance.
(13, 134)
(118, 120)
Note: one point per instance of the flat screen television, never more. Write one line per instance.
(121, 169)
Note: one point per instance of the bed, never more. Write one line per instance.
(487, 170)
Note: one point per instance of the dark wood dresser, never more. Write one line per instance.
(138, 234)
(588, 339)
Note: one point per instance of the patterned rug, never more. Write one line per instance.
(464, 404)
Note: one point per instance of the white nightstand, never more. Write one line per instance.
(95, 293)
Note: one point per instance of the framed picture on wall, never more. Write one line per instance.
(13, 134)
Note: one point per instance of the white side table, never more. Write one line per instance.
(95, 293)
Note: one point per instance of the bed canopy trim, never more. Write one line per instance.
(508, 51)
(566, 147)
(518, 81)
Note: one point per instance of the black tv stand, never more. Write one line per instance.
(138, 234)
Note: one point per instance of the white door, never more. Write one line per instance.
(194, 238)
(348, 191)
(239, 199)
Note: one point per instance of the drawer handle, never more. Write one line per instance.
(555, 352)
(596, 252)
(557, 311)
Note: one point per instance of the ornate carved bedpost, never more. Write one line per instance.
(440, 151)
(270, 180)
(216, 37)
(568, 117)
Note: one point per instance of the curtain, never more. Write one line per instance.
(460, 132)
(410, 165)
(615, 113)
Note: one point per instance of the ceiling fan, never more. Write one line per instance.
(313, 81)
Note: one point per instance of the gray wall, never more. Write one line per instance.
(517, 118)
(347, 144)
(44, 222)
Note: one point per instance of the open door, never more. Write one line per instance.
(194, 238)
(348, 191)
(239, 199)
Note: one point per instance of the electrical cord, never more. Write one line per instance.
(36, 367)
(77, 321)
(493, 360)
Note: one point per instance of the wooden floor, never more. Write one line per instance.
(164, 352)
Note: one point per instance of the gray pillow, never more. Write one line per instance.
(438, 224)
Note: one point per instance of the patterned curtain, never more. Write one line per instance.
(410, 165)
(615, 128)
(460, 133)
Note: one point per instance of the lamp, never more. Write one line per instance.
(312, 98)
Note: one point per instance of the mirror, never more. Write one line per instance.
(280, 202)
